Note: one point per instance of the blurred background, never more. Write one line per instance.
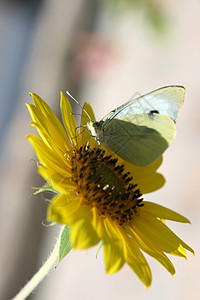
(103, 52)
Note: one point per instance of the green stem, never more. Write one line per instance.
(43, 271)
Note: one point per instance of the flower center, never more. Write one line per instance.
(105, 185)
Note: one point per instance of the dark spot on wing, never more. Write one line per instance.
(152, 112)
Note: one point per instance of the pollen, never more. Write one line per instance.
(105, 185)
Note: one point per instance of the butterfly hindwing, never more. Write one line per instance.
(139, 139)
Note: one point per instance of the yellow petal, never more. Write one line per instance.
(39, 123)
(46, 156)
(86, 135)
(111, 230)
(147, 178)
(163, 212)
(53, 120)
(156, 234)
(98, 224)
(151, 183)
(83, 234)
(58, 181)
(158, 255)
(136, 260)
(113, 257)
(69, 120)
(48, 132)
(63, 209)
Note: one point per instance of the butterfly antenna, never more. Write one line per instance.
(68, 93)
(74, 114)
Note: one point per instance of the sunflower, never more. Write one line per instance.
(100, 196)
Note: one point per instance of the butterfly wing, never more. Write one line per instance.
(139, 139)
(166, 101)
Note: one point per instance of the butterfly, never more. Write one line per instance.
(140, 130)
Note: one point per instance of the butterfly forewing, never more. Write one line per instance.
(167, 101)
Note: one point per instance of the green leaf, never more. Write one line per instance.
(65, 243)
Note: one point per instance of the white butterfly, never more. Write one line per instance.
(142, 129)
